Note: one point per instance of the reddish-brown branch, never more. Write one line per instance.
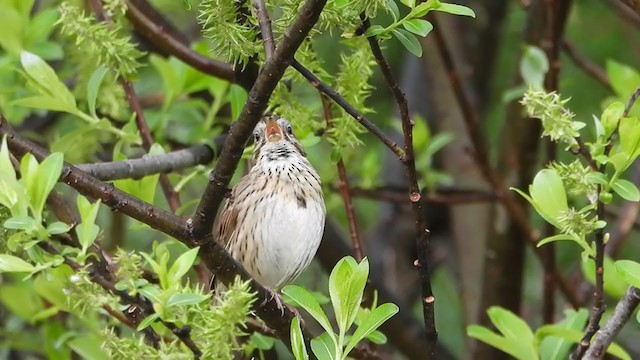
(265, 28)
(584, 63)
(343, 186)
(626, 12)
(422, 233)
(633, 5)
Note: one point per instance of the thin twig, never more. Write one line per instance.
(621, 314)
(633, 5)
(584, 63)
(154, 164)
(349, 109)
(422, 233)
(626, 12)
(343, 185)
(265, 28)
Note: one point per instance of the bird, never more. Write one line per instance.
(273, 219)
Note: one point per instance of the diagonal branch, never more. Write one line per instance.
(252, 110)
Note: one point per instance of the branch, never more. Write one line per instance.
(252, 110)
(154, 164)
(265, 28)
(349, 109)
(626, 12)
(633, 4)
(584, 63)
(422, 233)
(343, 185)
(621, 314)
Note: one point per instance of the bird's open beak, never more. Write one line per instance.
(273, 132)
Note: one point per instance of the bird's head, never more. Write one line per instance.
(274, 138)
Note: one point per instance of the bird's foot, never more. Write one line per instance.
(280, 304)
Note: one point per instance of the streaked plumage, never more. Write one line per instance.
(274, 219)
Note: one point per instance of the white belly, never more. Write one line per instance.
(292, 234)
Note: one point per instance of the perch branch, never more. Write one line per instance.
(621, 314)
(584, 63)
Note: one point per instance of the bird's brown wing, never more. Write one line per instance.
(226, 223)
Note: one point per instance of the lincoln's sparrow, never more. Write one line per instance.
(274, 219)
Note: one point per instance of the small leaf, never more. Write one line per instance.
(626, 189)
(88, 347)
(303, 298)
(374, 30)
(323, 347)
(455, 9)
(147, 321)
(297, 341)
(557, 348)
(237, 98)
(418, 26)
(20, 223)
(393, 8)
(47, 81)
(48, 174)
(376, 318)
(548, 195)
(10, 263)
(611, 116)
(92, 88)
(629, 271)
(510, 325)
(564, 237)
(185, 299)
(58, 228)
(629, 131)
(409, 41)
(183, 263)
(534, 66)
(409, 3)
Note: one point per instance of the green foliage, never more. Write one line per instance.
(231, 38)
(346, 287)
(557, 121)
(413, 23)
(105, 44)
(548, 342)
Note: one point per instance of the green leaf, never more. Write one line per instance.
(629, 131)
(262, 342)
(557, 348)
(564, 237)
(510, 325)
(409, 41)
(376, 318)
(302, 297)
(58, 228)
(548, 196)
(183, 263)
(374, 30)
(346, 285)
(455, 9)
(418, 26)
(20, 223)
(575, 336)
(393, 8)
(237, 98)
(10, 263)
(533, 66)
(185, 299)
(629, 271)
(297, 341)
(47, 81)
(423, 9)
(626, 189)
(614, 285)
(611, 116)
(148, 321)
(323, 347)
(501, 343)
(409, 3)
(47, 176)
(93, 86)
(624, 79)
(151, 292)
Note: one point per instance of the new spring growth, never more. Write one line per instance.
(557, 121)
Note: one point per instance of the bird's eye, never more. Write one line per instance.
(290, 129)
(256, 137)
